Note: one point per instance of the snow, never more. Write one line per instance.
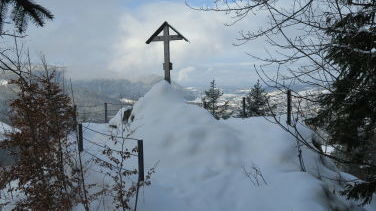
(117, 120)
(4, 128)
(201, 162)
(5, 159)
(3, 82)
(127, 101)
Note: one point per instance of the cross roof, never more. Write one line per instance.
(159, 30)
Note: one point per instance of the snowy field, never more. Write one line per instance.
(209, 165)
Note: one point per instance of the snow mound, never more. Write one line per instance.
(204, 163)
(183, 131)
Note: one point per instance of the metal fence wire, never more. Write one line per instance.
(100, 113)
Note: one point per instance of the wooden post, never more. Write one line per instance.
(289, 107)
(167, 66)
(75, 117)
(140, 148)
(105, 112)
(80, 144)
(80, 138)
(289, 111)
(244, 114)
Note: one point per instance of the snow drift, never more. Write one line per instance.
(205, 164)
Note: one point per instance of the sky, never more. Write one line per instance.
(106, 39)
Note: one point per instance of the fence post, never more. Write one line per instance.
(140, 148)
(105, 112)
(81, 149)
(75, 117)
(289, 107)
(80, 138)
(244, 114)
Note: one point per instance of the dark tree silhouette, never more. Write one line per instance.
(212, 104)
(23, 11)
(257, 101)
(348, 112)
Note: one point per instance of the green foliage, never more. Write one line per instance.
(22, 12)
(212, 104)
(257, 101)
(348, 112)
(361, 191)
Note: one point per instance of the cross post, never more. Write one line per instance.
(167, 66)
(166, 38)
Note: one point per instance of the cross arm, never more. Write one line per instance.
(170, 37)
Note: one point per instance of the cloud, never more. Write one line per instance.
(97, 39)
(210, 48)
(204, 31)
(183, 74)
(80, 36)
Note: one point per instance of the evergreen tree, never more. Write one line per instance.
(212, 104)
(257, 101)
(22, 12)
(348, 112)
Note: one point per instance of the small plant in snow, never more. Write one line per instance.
(123, 188)
(255, 175)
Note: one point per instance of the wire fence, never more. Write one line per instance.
(91, 147)
(99, 113)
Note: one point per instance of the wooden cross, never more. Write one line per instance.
(166, 38)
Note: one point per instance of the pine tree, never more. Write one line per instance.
(348, 112)
(22, 12)
(257, 101)
(43, 115)
(212, 104)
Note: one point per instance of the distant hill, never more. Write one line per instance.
(116, 89)
(90, 95)
(85, 92)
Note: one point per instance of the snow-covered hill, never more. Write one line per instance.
(203, 163)
(210, 165)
